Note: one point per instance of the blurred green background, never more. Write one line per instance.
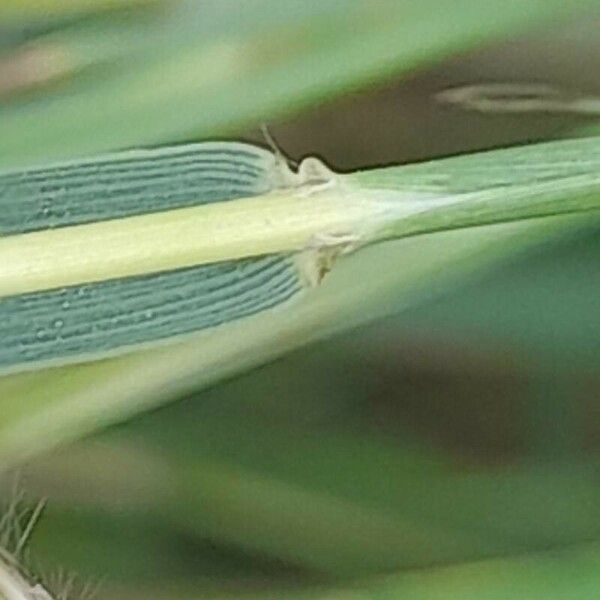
(448, 451)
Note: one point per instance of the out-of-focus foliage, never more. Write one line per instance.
(206, 68)
(465, 428)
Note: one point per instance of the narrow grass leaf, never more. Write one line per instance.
(107, 255)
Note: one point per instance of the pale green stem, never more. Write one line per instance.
(492, 187)
(342, 213)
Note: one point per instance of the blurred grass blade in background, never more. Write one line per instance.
(209, 68)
